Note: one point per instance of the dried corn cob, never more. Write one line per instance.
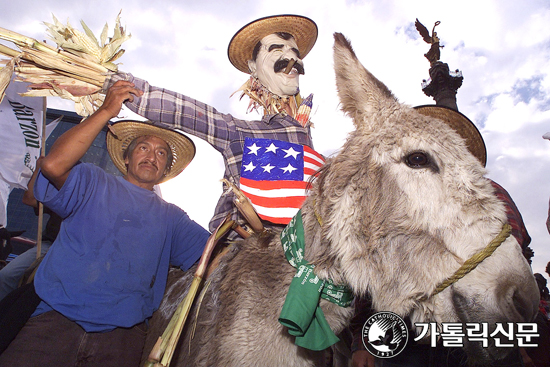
(75, 70)
(302, 116)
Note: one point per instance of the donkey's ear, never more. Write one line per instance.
(361, 94)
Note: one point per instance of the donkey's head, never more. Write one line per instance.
(403, 205)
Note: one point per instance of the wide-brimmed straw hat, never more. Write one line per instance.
(462, 125)
(240, 49)
(122, 133)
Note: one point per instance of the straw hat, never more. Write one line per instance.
(462, 125)
(121, 134)
(303, 29)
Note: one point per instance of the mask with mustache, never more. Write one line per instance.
(283, 63)
(272, 62)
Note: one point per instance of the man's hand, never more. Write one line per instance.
(73, 144)
(362, 358)
(119, 93)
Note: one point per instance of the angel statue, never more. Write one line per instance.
(433, 54)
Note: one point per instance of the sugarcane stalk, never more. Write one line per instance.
(81, 60)
(60, 59)
(199, 303)
(54, 67)
(24, 41)
(49, 62)
(48, 57)
(29, 69)
(28, 43)
(8, 51)
(98, 82)
(77, 55)
(160, 346)
(186, 307)
(154, 357)
(71, 57)
(166, 344)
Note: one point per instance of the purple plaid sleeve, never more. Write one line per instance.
(178, 111)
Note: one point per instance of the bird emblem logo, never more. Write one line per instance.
(385, 334)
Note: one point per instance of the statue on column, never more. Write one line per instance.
(433, 54)
(443, 83)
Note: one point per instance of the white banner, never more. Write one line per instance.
(20, 137)
(4, 194)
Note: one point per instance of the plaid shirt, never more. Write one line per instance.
(223, 131)
(514, 216)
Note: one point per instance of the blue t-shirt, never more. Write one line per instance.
(109, 264)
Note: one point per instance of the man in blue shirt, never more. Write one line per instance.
(107, 272)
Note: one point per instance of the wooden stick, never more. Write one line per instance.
(40, 205)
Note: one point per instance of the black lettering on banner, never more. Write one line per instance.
(30, 129)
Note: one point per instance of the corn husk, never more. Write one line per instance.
(5, 76)
(75, 69)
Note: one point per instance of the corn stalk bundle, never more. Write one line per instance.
(75, 69)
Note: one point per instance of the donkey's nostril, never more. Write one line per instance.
(524, 305)
(519, 303)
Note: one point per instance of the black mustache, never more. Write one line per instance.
(151, 163)
(283, 63)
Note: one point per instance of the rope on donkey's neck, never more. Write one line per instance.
(468, 265)
(474, 261)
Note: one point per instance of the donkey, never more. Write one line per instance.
(392, 215)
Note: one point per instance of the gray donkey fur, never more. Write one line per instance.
(393, 226)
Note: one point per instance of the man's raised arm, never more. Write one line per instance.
(70, 147)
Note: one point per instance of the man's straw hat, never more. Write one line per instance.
(462, 125)
(303, 29)
(183, 148)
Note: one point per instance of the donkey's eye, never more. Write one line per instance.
(417, 160)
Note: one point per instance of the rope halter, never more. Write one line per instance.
(468, 265)
(474, 261)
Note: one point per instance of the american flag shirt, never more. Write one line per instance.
(275, 176)
(223, 131)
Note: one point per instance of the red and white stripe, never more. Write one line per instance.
(279, 201)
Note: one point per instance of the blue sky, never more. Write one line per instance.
(501, 47)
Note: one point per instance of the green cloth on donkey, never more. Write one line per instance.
(301, 313)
